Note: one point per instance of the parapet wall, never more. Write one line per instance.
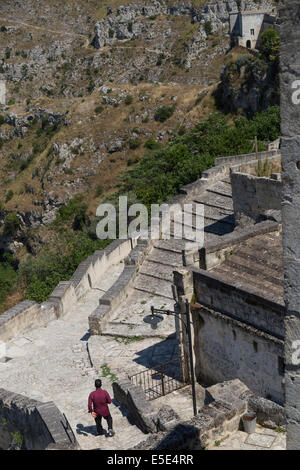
(32, 425)
(255, 198)
(28, 314)
(213, 291)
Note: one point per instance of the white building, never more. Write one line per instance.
(2, 92)
(247, 26)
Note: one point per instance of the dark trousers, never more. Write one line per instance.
(98, 421)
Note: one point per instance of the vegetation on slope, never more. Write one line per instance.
(161, 173)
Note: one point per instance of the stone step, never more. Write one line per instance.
(157, 270)
(169, 258)
(222, 189)
(170, 245)
(212, 213)
(154, 286)
(253, 268)
(215, 200)
(259, 258)
(123, 330)
(264, 289)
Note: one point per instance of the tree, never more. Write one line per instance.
(269, 44)
(11, 223)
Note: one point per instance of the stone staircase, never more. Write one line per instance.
(154, 280)
(247, 266)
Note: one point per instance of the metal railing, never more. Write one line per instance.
(161, 379)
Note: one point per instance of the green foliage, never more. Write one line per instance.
(41, 275)
(163, 113)
(269, 45)
(161, 173)
(98, 109)
(152, 144)
(99, 191)
(11, 224)
(2, 120)
(208, 27)
(128, 99)
(134, 143)
(8, 274)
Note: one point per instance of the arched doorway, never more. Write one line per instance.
(248, 44)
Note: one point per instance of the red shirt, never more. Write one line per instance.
(98, 401)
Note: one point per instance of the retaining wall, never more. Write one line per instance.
(242, 304)
(255, 198)
(32, 425)
(28, 314)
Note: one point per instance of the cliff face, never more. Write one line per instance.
(248, 85)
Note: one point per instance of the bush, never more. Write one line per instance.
(269, 44)
(99, 109)
(152, 144)
(208, 27)
(11, 224)
(162, 172)
(9, 195)
(128, 100)
(2, 120)
(163, 113)
(41, 275)
(134, 143)
(99, 191)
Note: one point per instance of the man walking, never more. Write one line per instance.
(98, 401)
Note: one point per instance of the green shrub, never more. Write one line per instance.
(134, 143)
(99, 191)
(208, 27)
(128, 100)
(161, 173)
(163, 113)
(152, 144)
(98, 109)
(9, 195)
(2, 120)
(269, 44)
(11, 224)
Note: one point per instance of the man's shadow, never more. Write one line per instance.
(92, 430)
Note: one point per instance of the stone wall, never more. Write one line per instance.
(28, 314)
(255, 198)
(290, 131)
(241, 304)
(220, 417)
(227, 349)
(32, 425)
(120, 289)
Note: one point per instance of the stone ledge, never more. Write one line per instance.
(213, 254)
(40, 424)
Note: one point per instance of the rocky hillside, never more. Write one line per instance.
(88, 85)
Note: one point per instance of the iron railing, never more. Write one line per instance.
(161, 379)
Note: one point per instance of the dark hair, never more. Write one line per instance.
(98, 383)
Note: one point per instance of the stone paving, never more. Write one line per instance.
(262, 439)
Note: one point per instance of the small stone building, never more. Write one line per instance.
(2, 92)
(247, 26)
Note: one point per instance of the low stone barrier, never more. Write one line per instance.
(120, 289)
(32, 425)
(134, 399)
(221, 416)
(214, 253)
(28, 314)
